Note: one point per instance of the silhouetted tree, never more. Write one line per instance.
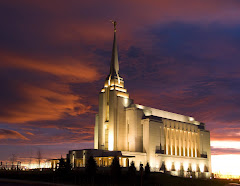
(132, 169)
(205, 168)
(181, 171)
(141, 168)
(91, 167)
(115, 167)
(163, 167)
(147, 169)
(61, 164)
(39, 158)
(13, 159)
(18, 165)
(198, 169)
(193, 174)
(173, 167)
(189, 172)
(64, 169)
(141, 173)
(64, 165)
(132, 173)
(68, 166)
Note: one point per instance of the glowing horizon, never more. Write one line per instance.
(226, 166)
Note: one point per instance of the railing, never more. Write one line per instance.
(160, 152)
(203, 155)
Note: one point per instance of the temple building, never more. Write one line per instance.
(142, 134)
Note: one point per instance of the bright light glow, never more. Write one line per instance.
(185, 166)
(125, 102)
(34, 164)
(110, 141)
(177, 166)
(226, 166)
(151, 164)
(201, 166)
(226, 144)
(121, 94)
(103, 90)
(194, 167)
(121, 89)
(118, 85)
(140, 106)
(168, 165)
(191, 119)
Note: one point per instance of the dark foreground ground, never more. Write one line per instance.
(14, 182)
(20, 178)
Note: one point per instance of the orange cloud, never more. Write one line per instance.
(42, 103)
(10, 134)
(47, 98)
(67, 68)
(29, 133)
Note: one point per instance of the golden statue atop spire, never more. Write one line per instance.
(114, 24)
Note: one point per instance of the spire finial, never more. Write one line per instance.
(115, 25)
(114, 67)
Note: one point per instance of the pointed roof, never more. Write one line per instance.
(114, 67)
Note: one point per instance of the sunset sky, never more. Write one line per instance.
(180, 56)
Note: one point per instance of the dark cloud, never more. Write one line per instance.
(134, 52)
(186, 75)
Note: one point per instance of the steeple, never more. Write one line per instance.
(114, 83)
(114, 67)
(113, 99)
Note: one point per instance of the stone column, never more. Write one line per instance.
(167, 141)
(189, 144)
(170, 141)
(180, 142)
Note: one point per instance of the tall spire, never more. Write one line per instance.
(114, 68)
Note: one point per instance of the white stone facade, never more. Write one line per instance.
(150, 135)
